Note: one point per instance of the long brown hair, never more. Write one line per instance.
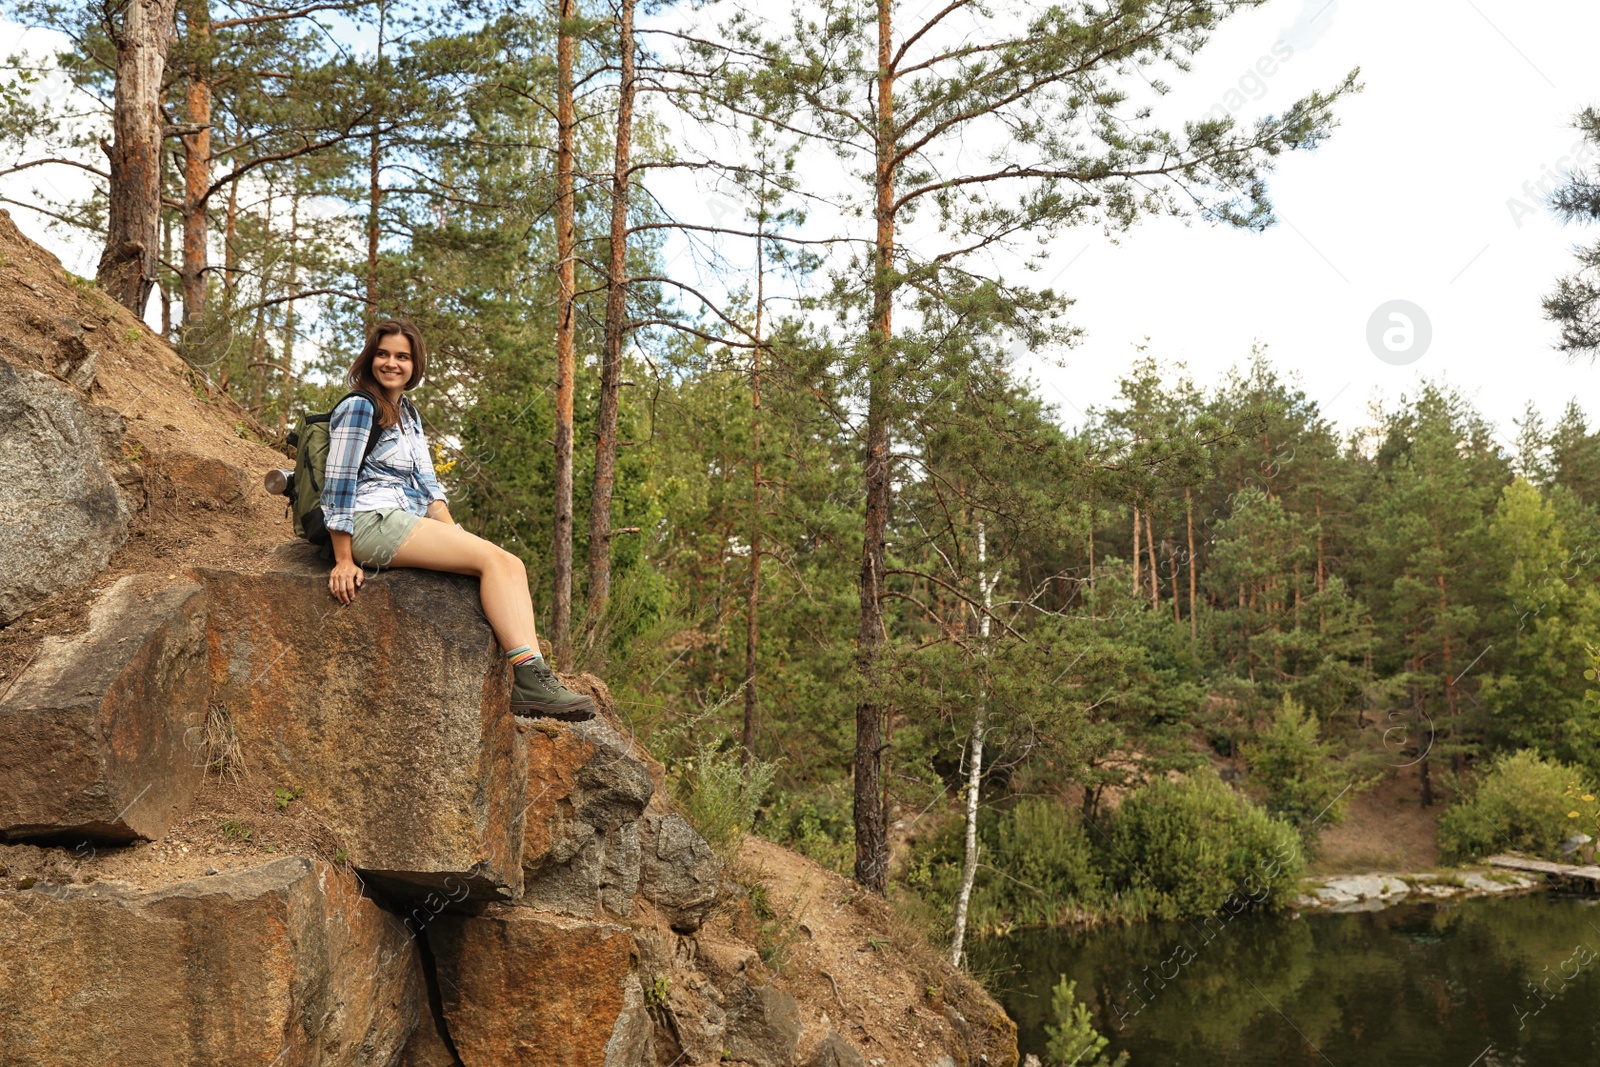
(361, 377)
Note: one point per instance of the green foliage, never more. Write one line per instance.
(1573, 304)
(1047, 861)
(1521, 802)
(283, 796)
(1037, 867)
(1187, 847)
(721, 795)
(1073, 1040)
(814, 823)
(1172, 850)
(235, 830)
(1548, 612)
(1303, 783)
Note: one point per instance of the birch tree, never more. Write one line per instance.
(980, 723)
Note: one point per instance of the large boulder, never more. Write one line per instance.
(678, 871)
(390, 717)
(92, 734)
(834, 1051)
(686, 1004)
(525, 989)
(586, 793)
(281, 964)
(763, 1023)
(61, 512)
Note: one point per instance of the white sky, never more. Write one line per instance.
(1467, 102)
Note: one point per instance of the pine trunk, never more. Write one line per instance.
(230, 244)
(605, 449)
(162, 285)
(566, 288)
(1091, 540)
(289, 321)
(258, 336)
(374, 188)
(1150, 542)
(1138, 552)
(131, 256)
(196, 167)
(1177, 616)
(871, 815)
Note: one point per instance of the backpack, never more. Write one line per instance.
(310, 441)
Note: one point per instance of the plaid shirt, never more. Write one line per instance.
(398, 473)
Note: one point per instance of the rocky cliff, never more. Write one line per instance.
(242, 824)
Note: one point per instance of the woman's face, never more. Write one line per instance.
(392, 365)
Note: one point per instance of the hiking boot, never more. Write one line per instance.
(537, 692)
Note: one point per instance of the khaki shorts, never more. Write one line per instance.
(378, 535)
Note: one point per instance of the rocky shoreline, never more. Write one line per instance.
(1374, 892)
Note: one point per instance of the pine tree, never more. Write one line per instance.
(924, 93)
(1575, 304)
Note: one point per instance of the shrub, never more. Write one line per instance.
(818, 825)
(1187, 847)
(1521, 802)
(720, 798)
(1037, 867)
(1290, 761)
(1049, 864)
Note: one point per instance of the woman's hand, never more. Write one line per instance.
(346, 577)
(344, 580)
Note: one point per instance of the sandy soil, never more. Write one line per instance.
(1386, 828)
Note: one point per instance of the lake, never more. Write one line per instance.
(1485, 982)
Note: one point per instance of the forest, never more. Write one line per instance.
(763, 441)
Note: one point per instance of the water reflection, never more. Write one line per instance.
(1480, 983)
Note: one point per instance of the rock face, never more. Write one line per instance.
(92, 736)
(763, 1024)
(834, 1051)
(719, 1003)
(678, 872)
(525, 989)
(391, 715)
(586, 794)
(285, 963)
(61, 514)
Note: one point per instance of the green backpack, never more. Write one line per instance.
(310, 441)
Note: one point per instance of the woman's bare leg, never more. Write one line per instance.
(502, 577)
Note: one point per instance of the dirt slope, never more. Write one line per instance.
(194, 458)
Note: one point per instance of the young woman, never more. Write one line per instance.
(389, 511)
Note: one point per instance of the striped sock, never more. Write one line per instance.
(522, 655)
